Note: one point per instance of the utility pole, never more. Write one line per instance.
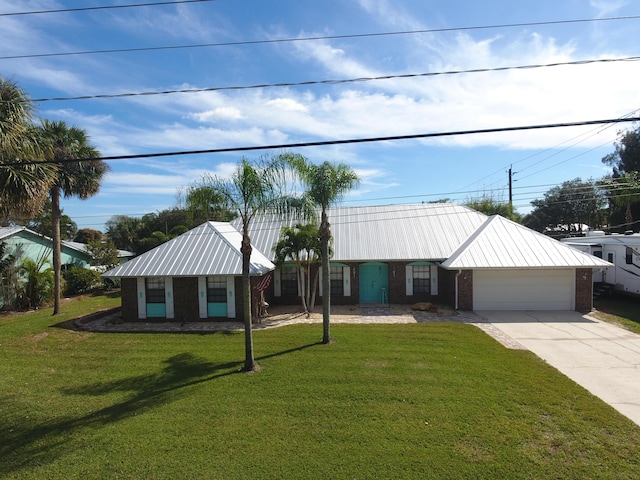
(510, 186)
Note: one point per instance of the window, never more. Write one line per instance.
(288, 281)
(421, 279)
(155, 290)
(629, 256)
(337, 281)
(216, 290)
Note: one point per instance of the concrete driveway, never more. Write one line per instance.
(601, 357)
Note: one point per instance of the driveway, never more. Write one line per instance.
(601, 357)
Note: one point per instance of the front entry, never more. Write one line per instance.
(374, 283)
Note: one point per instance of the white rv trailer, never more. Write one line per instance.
(623, 250)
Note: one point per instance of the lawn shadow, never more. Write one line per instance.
(29, 443)
(288, 351)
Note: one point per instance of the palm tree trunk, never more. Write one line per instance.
(325, 235)
(249, 362)
(57, 264)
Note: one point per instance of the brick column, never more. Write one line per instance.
(584, 289)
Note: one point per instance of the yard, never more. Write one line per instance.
(432, 400)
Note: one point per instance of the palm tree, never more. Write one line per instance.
(301, 244)
(253, 188)
(23, 182)
(325, 183)
(72, 179)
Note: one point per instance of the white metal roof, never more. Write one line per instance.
(213, 248)
(501, 243)
(429, 231)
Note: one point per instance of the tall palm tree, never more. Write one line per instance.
(254, 188)
(72, 179)
(23, 182)
(325, 183)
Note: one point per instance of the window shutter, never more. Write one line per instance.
(409, 280)
(142, 300)
(346, 281)
(277, 288)
(231, 297)
(202, 297)
(434, 280)
(168, 296)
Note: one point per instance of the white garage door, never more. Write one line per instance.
(523, 289)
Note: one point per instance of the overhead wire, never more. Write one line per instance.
(100, 7)
(287, 146)
(336, 81)
(308, 38)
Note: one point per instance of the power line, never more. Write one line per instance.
(287, 146)
(336, 82)
(101, 7)
(300, 39)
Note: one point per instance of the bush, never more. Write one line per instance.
(80, 280)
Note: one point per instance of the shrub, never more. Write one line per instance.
(80, 280)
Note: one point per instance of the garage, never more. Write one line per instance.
(524, 289)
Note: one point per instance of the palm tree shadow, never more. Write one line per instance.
(26, 444)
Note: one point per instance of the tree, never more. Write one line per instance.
(43, 224)
(103, 254)
(38, 280)
(490, 206)
(23, 183)
(125, 231)
(567, 207)
(301, 244)
(254, 188)
(88, 235)
(72, 179)
(624, 192)
(625, 162)
(204, 203)
(325, 184)
(626, 157)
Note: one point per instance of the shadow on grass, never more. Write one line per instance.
(25, 442)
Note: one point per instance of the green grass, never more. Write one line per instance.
(623, 310)
(383, 401)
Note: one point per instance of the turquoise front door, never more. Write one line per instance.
(374, 283)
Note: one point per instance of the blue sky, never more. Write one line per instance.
(406, 171)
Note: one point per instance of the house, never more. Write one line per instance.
(621, 250)
(24, 243)
(399, 254)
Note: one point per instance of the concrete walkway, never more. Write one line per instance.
(601, 357)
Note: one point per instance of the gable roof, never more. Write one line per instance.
(7, 232)
(213, 248)
(430, 231)
(501, 243)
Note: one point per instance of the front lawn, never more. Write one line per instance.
(623, 310)
(384, 401)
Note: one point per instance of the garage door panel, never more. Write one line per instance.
(523, 290)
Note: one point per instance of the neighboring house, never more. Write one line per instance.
(621, 250)
(29, 244)
(398, 254)
(123, 255)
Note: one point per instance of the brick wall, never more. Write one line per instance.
(465, 290)
(129, 296)
(185, 299)
(584, 289)
(447, 287)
